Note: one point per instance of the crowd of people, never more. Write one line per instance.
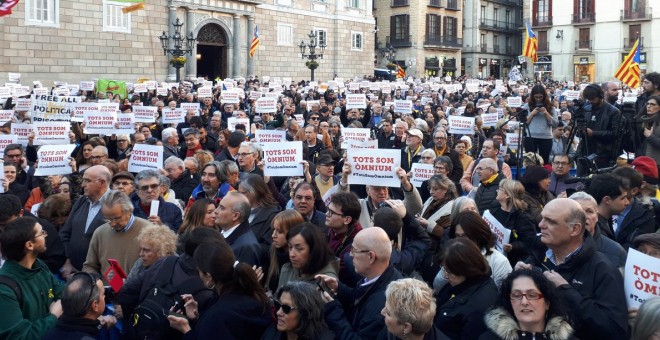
(207, 246)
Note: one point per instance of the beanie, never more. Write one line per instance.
(647, 167)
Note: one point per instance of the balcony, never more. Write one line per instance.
(628, 43)
(399, 3)
(584, 18)
(544, 46)
(641, 14)
(452, 5)
(542, 20)
(496, 49)
(404, 41)
(508, 2)
(483, 48)
(583, 45)
(508, 50)
(497, 25)
(443, 42)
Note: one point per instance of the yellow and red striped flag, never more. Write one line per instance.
(136, 5)
(629, 72)
(255, 41)
(400, 73)
(531, 45)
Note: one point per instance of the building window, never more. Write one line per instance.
(353, 3)
(284, 2)
(42, 12)
(400, 30)
(433, 26)
(356, 41)
(321, 36)
(585, 38)
(450, 27)
(114, 20)
(284, 35)
(483, 13)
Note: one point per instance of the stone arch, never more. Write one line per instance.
(223, 26)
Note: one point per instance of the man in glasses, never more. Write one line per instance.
(14, 154)
(29, 293)
(148, 184)
(342, 223)
(117, 237)
(439, 145)
(561, 166)
(99, 155)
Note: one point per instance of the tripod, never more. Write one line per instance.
(522, 126)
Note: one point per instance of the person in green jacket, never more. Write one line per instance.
(39, 307)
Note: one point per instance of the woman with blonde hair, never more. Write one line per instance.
(279, 249)
(409, 311)
(203, 157)
(156, 242)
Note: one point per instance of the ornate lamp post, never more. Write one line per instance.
(311, 63)
(390, 54)
(182, 45)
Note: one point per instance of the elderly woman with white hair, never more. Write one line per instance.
(647, 323)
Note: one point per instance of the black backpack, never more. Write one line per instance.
(149, 318)
(11, 283)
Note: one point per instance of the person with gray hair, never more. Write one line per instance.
(192, 143)
(149, 188)
(215, 183)
(647, 322)
(411, 306)
(489, 184)
(231, 218)
(117, 238)
(182, 181)
(249, 154)
(170, 140)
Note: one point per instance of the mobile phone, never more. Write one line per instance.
(324, 288)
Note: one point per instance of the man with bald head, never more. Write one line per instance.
(611, 90)
(489, 183)
(85, 218)
(584, 278)
(371, 251)
(231, 217)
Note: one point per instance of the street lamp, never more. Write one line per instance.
(182, 45)
(311, 63)
(390, 54)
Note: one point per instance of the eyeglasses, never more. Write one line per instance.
(560, 163)
(439, 168)
(92, 282)
(244, 154)
(529, 296)
(354, 251)
(43, 233)
(147, 187)
(313, 118)
(331, 213)
(112, 219)
(285, 308)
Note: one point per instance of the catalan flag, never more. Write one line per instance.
(628, 72)
(255, 42)
(531, 45)
(136, 5)
(400, 73)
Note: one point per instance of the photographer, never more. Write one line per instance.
(541, 120)
(600, 132)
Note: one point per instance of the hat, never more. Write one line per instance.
(652, 238)
(325, 159)
(235, 139)
(647, 167)
(534, 174)
(416, 133)
(123, 174)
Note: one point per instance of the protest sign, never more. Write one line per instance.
(4, 141)
(266, 105)
(354, 86)
(190, 106)
(162, 91)
(102, 123)
(229, 97)
(140, 88)
(233, 121)
(21, 131)
(6, 116)
(354, 134)
(145, 157)
(151, 85)
(474, 88)
(54, 160)
(47, 133)
(204, 92)
(300, 119)
(87, 86)
(270, 136)
(53, 108)
(572, 95)
(283, 159)
(420, 173)
(514, 101)
(490, 119)
(641, 278)
(80, 109)
(501, 233)
(461, 125)
(369, 144)
(20, 91)
(512, 140)
(5, 92)
(403, 106)
(23, 104)
(14, 77)
(366, 168)
(356, 101)
(173, 116)
(144, 114)
(125, 124)
(328, 194)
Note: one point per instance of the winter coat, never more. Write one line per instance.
(169, 213)
(486, 194)
(502, 326)
(184, 186)
(523, 232)
(640, 220)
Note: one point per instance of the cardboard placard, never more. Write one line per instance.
(6, 116)
(53, 108)
(173, 116)
(403, 106)
(377, 168)
(233, 121)
(356, 101)
(641, 278)
(80, 109)
(270, 136)
(49, 133)
(23, 104)
(102, 123)
(501, 233)
(145, 114)
(490, 119)
(421, 173)
(190, 106)
(21, 131)
(4, 141)
(266, 105)
(145, 157)
(125, 124)
(283, 159)
(54, 160)
(354, 134)
(461, 125)
(514, 101)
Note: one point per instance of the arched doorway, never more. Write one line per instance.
(212, 52)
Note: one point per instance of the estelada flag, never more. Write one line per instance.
(255, 42)
(628, 72)
(531, 45)
(6, 6)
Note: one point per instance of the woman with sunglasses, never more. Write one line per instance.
(241, 309)
(528, 308)
(299, 314)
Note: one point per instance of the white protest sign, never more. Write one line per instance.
(21, 131)
(641, 278)
(162, 91)
(47, 133)
(20, 91)
(270, 136)
(87, 86)
(14, 77)
(283, 159)
(6, 116)
(140, 88)
(461, 125)
(23, 104)
(5, 92)
(514, 101)
(151, 84)
(80, 109)
(204, 92)
(229, 97)
(403, 106)
(420, 173)
(145, 157)
(366, 168)
(144, 114)
(233, 121)
(388, 105)
(474, 88)
(125, 124)
(41, 91)
(369, 144)
(354, 86)
(190, 106)
(266, 105)
(354, 134)
(54, 160)
(328, 194)
(173, 116)
(490, 119)
(4, 141)
(356, 101)
(512, 140)
(53, 108)
(300, 119)
(572, 95)
(102, 123)
(501, 233)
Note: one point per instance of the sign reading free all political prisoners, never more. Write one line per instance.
(283, 159)
(145, 157)
(53, 108)
(366, 168)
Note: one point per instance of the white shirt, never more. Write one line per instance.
(226, 233)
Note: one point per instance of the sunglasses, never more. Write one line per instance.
(286, 309)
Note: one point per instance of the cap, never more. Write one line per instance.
(416, 133)
(123, 174)
(647, 167)
(325, 159)
(652, 238)
(534, 174)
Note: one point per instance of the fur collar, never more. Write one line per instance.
(505, 326)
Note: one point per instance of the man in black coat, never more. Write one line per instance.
(232, 220)
(439, 145)
(182, 182)
(488, 186)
